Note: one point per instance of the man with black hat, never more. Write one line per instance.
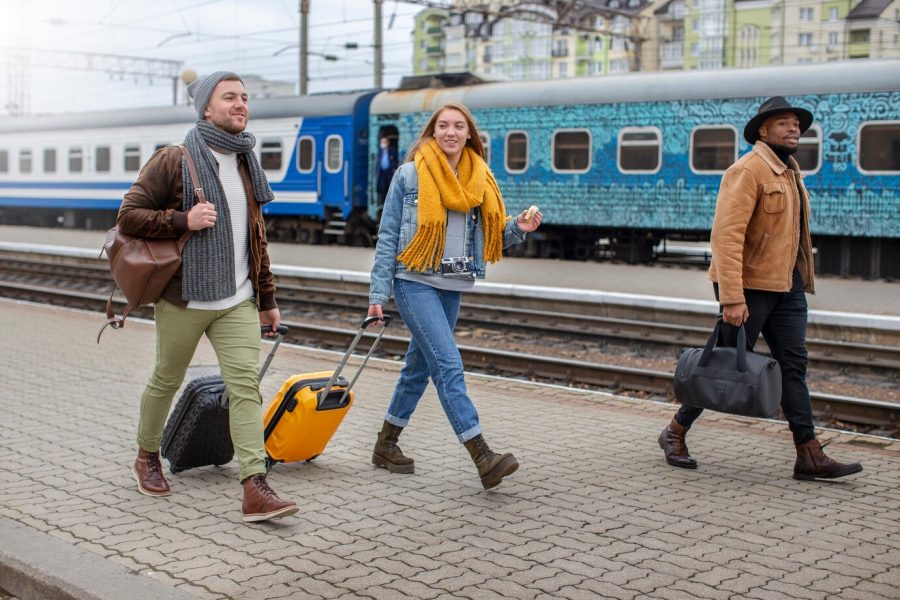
(762, 265)
(224, 289)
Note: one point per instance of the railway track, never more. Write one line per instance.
(882, 415)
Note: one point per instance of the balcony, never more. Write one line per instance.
(434, 50)
(671, 55)
(559, 52)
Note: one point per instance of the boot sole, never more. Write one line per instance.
(506, 467)
(144, 490)
(691, 465)
(808, 477)
(384, 463)
(275, 514)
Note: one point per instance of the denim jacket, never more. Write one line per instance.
(399, 222)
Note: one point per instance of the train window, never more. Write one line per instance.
(571, 150)
(879, 147)
(4, 161)
(306, 154)
(713, 149)
(640, 150)
(486, 143)
(132, 158)
(516, 152)
(24, 161)
(270, 155)
(102, 159)
(76, 160)
(334, 153)
(49, 160)
(809, 152)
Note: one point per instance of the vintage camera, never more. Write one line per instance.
(458, 266)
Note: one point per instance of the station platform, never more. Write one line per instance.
(593, 512)
(833, 294)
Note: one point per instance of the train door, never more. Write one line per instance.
(380, 177)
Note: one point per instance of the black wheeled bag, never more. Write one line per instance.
(730, 380)
(197, 433)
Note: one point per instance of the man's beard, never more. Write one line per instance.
(784, 150)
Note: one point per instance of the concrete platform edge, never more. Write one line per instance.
(37, 566)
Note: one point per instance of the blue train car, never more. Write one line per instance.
(72, 170)
(619, 163)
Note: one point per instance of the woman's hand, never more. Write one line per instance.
(527, 224)
(375, 311)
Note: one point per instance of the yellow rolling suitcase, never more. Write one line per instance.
(309, 408)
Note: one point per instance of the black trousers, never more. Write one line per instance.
(781, 318)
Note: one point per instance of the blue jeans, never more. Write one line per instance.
(430, 315)
(781, 318)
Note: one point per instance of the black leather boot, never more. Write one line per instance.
(492, 468)
(672, 442)
(387, 453)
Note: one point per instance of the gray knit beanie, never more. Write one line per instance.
(202, 88)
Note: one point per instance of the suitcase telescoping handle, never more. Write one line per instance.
(386, 320)
(282, 331)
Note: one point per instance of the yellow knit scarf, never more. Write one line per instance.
(440, 190)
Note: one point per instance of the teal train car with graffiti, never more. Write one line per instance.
(620, 163)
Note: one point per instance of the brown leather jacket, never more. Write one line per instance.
(758, 236)
(152, 208)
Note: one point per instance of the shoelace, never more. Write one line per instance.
(153, 463)
(263, 486)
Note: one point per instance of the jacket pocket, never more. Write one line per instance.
(774, 197)
(759, 251)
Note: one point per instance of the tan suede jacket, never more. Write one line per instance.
(152, 208)
(757, 235)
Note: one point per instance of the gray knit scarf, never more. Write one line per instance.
(208, 260)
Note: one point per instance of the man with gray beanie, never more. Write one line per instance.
(224, 289)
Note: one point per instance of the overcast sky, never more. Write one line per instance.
(246, 36)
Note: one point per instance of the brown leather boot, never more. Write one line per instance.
(261, 503)
(672, 442)
(147, 471)
(812, 463)
(387, 453)
(491, 467)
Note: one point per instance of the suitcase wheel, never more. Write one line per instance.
(312, 458)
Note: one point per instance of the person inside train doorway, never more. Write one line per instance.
(387, 163)
(224, 289)
(762, 265)
(443, 220)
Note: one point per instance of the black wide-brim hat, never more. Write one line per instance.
(774, 106)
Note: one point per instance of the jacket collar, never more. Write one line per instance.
(767, 154)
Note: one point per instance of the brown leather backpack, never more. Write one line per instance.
(142, 267)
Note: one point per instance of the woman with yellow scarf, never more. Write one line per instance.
(443, 220)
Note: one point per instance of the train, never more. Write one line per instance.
(619, 165)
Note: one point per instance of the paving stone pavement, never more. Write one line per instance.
(593, 512)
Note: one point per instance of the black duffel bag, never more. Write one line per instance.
(730, 380)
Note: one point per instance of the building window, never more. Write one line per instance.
(334, 153)
(804, 39)
(516, 152)
(270, 155)
(806, 15)
(76, 160)
(860, 36)
(49, 160)
(809, 151)
(640, 150)
(24, 161)
(833, 14)
(486, 144)
(132, 161)
(306, 153)
(4, 161)
(879, 147)
(713, 149)
(572, 150)
(102, 159)
(833, 38)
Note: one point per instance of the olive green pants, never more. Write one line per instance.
(235, 337)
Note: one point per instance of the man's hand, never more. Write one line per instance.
(272, 318)
(201, 216)
(735, 314)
